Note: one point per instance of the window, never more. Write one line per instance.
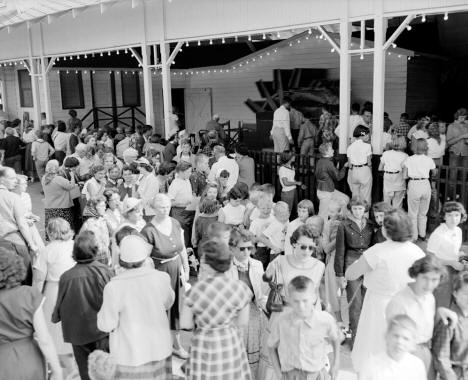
(71, 88)
(130, 89)
(25, 89)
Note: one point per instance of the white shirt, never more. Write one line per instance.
(134, 312)
(259, 225)
(420, 134)
(180, 192)
(421, 309)
(233, 215)
(148, 187)
(386, 139)
(292, 226)
(390, 262)
(419, 166)
(445, 243)
(281, 120)
(354, 121)
(61, 141)
(228, 164)
(434, 149)
(276, 233)
(383, 367)
(392, 161)
(122, 146)
(55, 259)
(358, 152)
(289, 174)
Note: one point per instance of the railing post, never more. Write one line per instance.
(96, 118)
(133, 117)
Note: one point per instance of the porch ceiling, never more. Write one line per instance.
(17, 11)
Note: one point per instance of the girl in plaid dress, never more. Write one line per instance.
(219, 306)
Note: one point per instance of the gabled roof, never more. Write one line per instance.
(17, 11)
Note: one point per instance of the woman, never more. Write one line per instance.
(112, 215)
(218, 306)
(25, 343)
(96, 209)
(79, 299)
(436, 143)
(282, 270)
(169, 255)
(250, 272)
(60, 139)
(131, 214)
(385, 270)
(286, 174)
(445, 243)
(148, 187)
(95, 186)
(417, 302)
(57, 199)
(52, 261)
(165, 176)
(140, 338)
(70, 166)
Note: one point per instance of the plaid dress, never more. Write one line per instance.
(217, 350)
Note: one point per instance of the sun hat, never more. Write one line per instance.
(134, 249)
(129, 204)
(142, 160)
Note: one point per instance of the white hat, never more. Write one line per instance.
(142, 160)
(129, 204)
(134, 249)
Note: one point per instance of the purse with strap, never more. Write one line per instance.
(275, 301)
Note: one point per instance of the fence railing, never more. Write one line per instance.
(106, 116)
(451, 183)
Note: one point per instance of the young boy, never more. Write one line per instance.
(359, 155)
(305, 209)
(274, 236)
(300, 337)
(379, 210)
(258, 225)
(198, 178)
(450, 343)
(396, 363)
(128, 188)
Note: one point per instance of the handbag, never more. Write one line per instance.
(275, 301)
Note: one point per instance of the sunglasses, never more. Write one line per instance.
(309, 247)
(246, 248)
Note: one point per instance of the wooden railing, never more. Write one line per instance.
(113, 116)
(451, 183)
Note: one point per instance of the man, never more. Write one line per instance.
(246, 165)
(403, 126)
(125, 143)
(73, 121)
(224, 163)
(85, 164)
(296, 120)
(15, 234)
(74, 139)
(457, 143)
(214, 125)
(170, 151)
(3, 115)
(354, 120)
(12, 146)
(281, 129)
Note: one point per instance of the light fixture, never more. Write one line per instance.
(77, 57)
(86, 56)
(68, 72)
(101, 54)
(409, 27)
(332, 50)
(309, 31)
(409, 58)
(126, 51)
(118, 52)
(446, 16)
(399, 55)
(278, 34)
(86, 72)
(199, 43)
(362, 56)
(211, 42)
(223, 41)
(249, 37)
(394, 45)
(389, 53)
(236, 39)
(186, 43)
(264, 36)
(423, 18)
(108, 53)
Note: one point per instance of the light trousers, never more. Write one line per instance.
(394, 198)
(419, 198)
(360, 182)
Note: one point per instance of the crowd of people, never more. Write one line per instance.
(145, 238)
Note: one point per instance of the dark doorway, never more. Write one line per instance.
(178, 104)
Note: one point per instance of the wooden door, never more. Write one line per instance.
(198, 108)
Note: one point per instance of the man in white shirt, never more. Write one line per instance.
(354, 120)
(224, 163)
(281, 129)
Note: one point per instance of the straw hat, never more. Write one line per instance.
(129, 204)
(134, 249)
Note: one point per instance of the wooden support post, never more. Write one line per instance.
(380, 28)
(166, 87)
(33, 71)
(345, 83)
(147, 84)
(46, 89)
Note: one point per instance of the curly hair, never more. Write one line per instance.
(398, 226)
(454, 206)
(12, 269)
(428, 263)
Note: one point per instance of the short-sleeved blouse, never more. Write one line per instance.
(390, 262)
(164, 246)
(55, 259)
(216, 300)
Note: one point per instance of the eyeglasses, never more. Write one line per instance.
(246, 248)
(309, 247)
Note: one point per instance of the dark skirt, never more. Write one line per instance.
(29, 168)
(173, 269)
(65, 213)
(185, 218)
(160, 369)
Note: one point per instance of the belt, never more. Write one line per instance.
(392, 172)
(418, 179)
(359, 166)
(165, 260)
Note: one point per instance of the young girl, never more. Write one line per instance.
(286, 174)
(305, 209)
(436, 143)
(418, 169)
(359, 155)
(207, 215)
(185, 153)
(233, 212)
(258, 225)
(391, 163)
(396, 362)
(445, 243)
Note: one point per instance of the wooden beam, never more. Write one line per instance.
(137, 56)
(398, 31)
(329, 38)
(268, 96)
(174, 53)
(278, 80)
(51, 64)
(251, 46)
(345, 83)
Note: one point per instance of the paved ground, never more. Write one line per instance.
(38, 208)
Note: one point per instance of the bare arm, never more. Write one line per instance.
(357, 269)
(38, 279)
(186, 318)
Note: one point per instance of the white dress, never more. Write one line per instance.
(390, 262)
(53, 260)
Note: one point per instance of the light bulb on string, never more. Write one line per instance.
(118, 52)
(101, 54)
(249, 37)
(78, 57)
(446, 16)
(399, 55)
(309, 31)
(409, 27)
(389, 53)
(394, 45)
(68, 72)
(126, 51)
(298, 41)
(199, 43)
(409, 58)
(186, 43)
(263, 36)
(423, 18)
(109, 53)
(211, 42)
(332, 50)
(278, 35)
(86, 72)
(223, 40)
(362, 56)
